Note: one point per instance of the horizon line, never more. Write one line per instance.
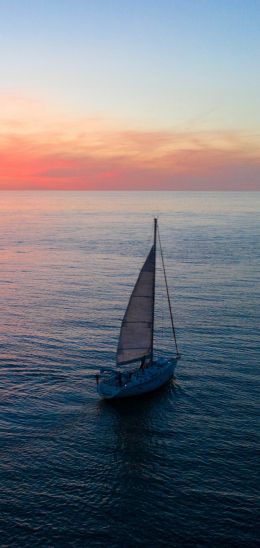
(124, 190)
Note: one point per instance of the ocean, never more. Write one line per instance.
(174, 468)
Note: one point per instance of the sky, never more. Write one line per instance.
(129, 94)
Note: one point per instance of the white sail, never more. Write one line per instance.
(135, 340)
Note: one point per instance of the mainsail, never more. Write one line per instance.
(136, 335)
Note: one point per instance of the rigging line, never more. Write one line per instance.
(168, 294)
(153, 294)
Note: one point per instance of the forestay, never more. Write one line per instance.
(135, 340)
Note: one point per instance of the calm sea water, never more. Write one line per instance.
(175, 468)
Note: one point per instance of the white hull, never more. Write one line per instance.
(136, 382)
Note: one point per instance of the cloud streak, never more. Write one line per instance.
(42, 150)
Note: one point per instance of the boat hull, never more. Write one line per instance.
(139, 381)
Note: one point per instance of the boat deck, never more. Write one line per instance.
(138, 381)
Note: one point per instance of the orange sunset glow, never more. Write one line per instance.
(41, 149)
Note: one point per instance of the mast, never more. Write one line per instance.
(169, 300)
(154, 245)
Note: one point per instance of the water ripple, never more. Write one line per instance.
(174, 468)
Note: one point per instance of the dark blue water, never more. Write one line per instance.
(175, 468)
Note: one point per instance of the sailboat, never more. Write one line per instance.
(138, 372)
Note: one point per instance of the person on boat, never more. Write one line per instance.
(142, 366)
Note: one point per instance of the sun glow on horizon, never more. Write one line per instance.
(41, 148)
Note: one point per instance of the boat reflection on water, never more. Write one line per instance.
(137, 454)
